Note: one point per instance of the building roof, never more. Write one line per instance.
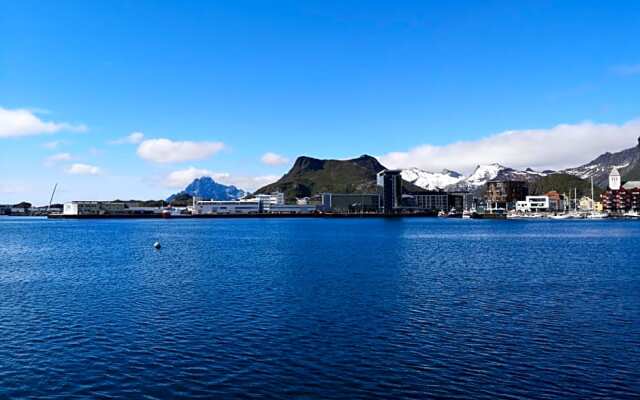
(614, 172)
(553, 195)
(631, 185)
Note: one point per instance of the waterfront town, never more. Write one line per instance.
(502, 199)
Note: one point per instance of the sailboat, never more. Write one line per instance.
(565, 214)
(594, 214)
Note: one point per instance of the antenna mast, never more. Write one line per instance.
(51, 199)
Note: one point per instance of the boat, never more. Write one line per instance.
(597, 215)
(631, 214)
(561, 216)
(454, 214)
(441, 213)
(466, 214)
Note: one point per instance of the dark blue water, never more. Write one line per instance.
(318, 309)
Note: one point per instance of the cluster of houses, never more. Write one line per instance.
(619, 198)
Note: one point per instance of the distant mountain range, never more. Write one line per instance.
(206, 188)
(454, 181)
(309, 176)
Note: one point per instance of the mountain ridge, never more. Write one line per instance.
(627, 161)
(207, 188)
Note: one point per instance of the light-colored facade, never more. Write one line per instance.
(251, 206)
(276, 198)
(533, 204)
(588, 204)
(615, 181)
(94, 208)
(262, 203)
(293, 209)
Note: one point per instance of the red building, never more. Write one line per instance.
(626, 198)
(619, 197)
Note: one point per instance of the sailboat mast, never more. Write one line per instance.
(53, 193)
(593, 200)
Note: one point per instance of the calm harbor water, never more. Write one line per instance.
(319, 309)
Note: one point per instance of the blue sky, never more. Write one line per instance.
(223, 84)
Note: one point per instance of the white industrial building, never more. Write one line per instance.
(93, 208)
(251, 206)
(261, 203)
(533, 203)
(293, 209)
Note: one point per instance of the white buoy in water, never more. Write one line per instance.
(156, 245)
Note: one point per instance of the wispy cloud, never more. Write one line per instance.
(22, 122)
(10, 188)
(83, 169)
(54, 144)
(181, 178)
(166, 151)
(626, 70)
(55, 159)
(559, 147)
(273, 159)
(132, 138)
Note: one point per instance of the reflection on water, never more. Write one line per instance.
(319, 309)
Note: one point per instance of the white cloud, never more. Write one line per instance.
(169, 151)
(53, 144)
(274, 159)
(556, 148)
(21, 122)
(9, 188)
(181, 178)
(132, 138)
(83, 169)
(250, 183)
(626, 70)
(57, 158)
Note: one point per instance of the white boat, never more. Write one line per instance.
(466, 214)
(597, 215)
(594, 214)
(631, 214)
(561, 216)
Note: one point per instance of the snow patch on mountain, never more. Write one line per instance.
(431, 180)
(484, 173)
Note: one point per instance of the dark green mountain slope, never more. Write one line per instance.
(310, 176)
(562, 183)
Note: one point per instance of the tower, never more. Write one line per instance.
(614, 179)
(390, 188)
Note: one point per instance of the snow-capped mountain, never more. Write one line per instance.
(453, 181)
(483, 174)
(431, 180)
(627, 161)
(488, 172)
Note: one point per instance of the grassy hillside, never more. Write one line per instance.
(310, 176)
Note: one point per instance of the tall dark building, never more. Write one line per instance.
(351, 202)
(503, 193)
(390, 189)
